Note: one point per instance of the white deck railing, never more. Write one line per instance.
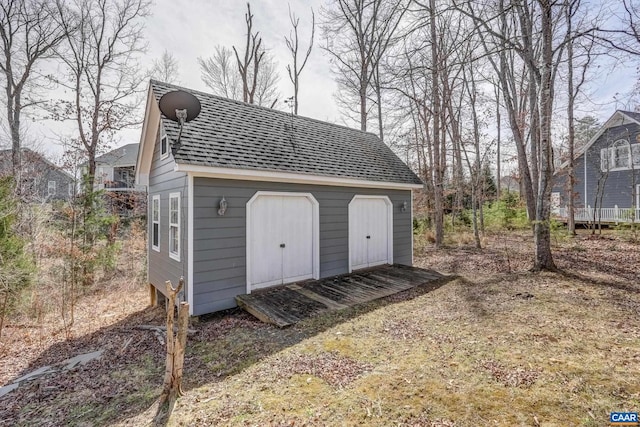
(589, 214)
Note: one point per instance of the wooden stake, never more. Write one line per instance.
(183, 323)
(175, 347)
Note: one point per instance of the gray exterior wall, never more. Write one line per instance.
(163, 180)
(618, 188)
(36, 174)
(219, 241)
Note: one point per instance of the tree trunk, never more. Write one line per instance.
(498, 128)
(542, 232)
(571, 173)
(438, 174)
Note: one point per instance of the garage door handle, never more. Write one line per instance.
(368, 237)
(282, 245)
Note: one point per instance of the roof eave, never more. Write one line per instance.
(288, 177)
(147, 139)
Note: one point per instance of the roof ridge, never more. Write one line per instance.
(284, 113)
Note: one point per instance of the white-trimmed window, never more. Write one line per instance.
(155, 222)
(620, 156)
(174, 226)
(164, 143)
(51, 188)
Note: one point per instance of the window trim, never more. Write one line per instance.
(154, 221)
(164, 143)
(607, 155)
(175, 254)
(50, 187)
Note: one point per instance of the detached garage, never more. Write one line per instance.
(252, 198)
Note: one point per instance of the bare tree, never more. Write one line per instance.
(103, 71)
(358, 34)
(292, 42)
(251, 76)
(250, 63)
(220, 73)
(165, 68)
(29, 32)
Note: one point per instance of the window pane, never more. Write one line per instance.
(173, 239)
(635, 149)
(156, 208)
(156, 234)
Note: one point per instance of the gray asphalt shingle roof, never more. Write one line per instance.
(121, 156)
(632, 114)
(233, 134)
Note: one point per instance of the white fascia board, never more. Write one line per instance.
(147, 139)
(288, 177)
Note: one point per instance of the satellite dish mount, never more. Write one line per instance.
(181, 107)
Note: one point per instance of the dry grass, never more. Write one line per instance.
(495, 346)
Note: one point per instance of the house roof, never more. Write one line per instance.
(236, 135)
(121, 156)
(29, 157)
(618, 118)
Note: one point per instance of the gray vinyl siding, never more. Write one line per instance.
(618, 189)
(219, 241)
(163, 180)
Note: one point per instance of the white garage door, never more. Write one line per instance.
(281, 239)
(370, 231)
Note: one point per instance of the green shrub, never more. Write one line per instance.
(421, 224)
(16, 267)
(507, 213)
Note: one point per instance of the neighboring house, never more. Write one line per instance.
(115, 170)
(115, 174)
(607, 172)
(253, 197)
(41, 180)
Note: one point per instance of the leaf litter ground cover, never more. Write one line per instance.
(495, 346)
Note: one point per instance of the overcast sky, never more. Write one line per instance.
(192, 28)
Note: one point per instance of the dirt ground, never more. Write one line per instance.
(492, 345)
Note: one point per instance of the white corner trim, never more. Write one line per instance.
(190, 237)
(389, 204)
(289, 177)
(315, 232)
(584, 197)
(411, 224)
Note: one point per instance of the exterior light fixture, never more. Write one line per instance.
(403, 207)
(223, 207)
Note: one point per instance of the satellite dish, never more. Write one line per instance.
(179, 106)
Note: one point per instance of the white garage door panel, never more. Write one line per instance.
(297, 235)
(378, 222)
(265, 251)
(358, 234)
(280, 239)
(370, 229)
